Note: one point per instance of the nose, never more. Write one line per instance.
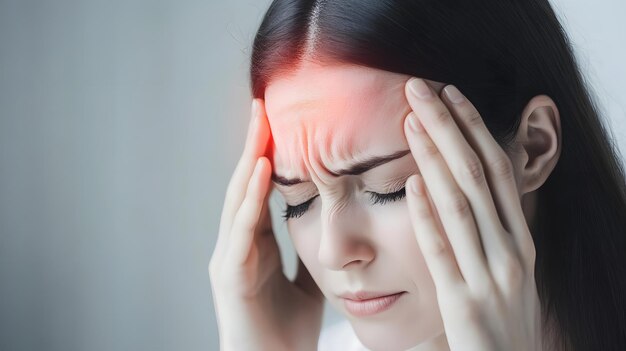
(344, 244)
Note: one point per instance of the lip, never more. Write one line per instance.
(366, 295)
(363, 303)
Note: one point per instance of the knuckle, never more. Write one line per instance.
(469, 312)
(436, 249)
(429, 150)
(510, 273)
(486, 291)
(422, 212)
(502, 167)
(443, 117)
(474, 119)
(457, 205)
(472, 170)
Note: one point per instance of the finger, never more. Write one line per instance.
(465, 165)
(256, 142)
(246, 220)
(255, 146)
(438, 256)
(451, 205)
(499, 170)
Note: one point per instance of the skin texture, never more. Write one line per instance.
(324, 118)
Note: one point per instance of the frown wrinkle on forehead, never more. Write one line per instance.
(322, 155)
(329, 148)
(326, 118)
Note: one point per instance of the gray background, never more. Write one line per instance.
(120, 125)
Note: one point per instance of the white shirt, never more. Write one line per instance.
(339, 337)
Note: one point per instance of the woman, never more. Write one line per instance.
(490, 215)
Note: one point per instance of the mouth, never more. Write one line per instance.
(363, 303)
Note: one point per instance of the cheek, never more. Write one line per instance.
(393, 223)
(402, 250)
(304, 236)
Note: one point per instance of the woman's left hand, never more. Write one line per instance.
(484, 277)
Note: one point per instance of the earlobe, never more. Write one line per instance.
(539, 136)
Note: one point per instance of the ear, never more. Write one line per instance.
(538, 143)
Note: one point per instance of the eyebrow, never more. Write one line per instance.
(355, 169)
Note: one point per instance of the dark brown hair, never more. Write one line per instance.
(499, 53)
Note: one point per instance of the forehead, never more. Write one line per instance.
(336, 114)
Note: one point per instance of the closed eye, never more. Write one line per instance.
(298, 210)
(384, 198)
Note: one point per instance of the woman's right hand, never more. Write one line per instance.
(257, 306)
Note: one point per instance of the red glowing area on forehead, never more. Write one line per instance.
(334, 115)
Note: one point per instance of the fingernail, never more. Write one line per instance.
(414, 124)
(419, 88)
(454, 94)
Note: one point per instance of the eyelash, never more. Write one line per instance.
(299, 210)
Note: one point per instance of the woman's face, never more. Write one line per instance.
(323, 120)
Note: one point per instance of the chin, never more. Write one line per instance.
(387, 341)
(397, 335)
